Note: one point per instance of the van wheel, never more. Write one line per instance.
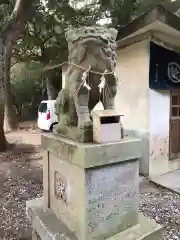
(52, 126)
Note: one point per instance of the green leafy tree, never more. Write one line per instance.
(44, 40)
(28, 88)
(120, 12)
(13, 26)
(6, 24)
(12, 22)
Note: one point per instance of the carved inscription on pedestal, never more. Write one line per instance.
(60, 187)
(112, 197)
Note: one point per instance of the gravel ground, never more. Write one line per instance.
(163, 206)
(20, 180)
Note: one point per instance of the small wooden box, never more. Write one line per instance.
(106, 126)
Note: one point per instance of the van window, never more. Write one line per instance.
(43, 107)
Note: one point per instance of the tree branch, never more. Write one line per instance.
(14, 15)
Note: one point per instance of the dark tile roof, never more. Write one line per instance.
(158, 13)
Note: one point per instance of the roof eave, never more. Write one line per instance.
(157, 14)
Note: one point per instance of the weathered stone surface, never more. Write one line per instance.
(100, 202)
(112, 199)
(97, 185)
(35, 235)
(81, 135)
(48, 227)
(45, 223)
(71, 211)
(90, 154)
(90, 48)
(146, 229)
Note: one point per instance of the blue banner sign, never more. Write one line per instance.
(164, 71)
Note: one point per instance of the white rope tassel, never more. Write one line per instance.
(86, 86)
(103, 81)
(102, 84)
(116, 77)
(84, 78)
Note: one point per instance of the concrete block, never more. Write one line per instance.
(45, 223)
(112, 199)
(95, 199)
(106, 126)
(88, 155)
(91, 190)
(99, 201)
(146, 229)
(48, 227)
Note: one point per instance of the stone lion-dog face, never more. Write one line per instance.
(96, 41)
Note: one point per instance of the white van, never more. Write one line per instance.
(47, 117)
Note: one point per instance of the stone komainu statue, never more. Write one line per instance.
(94, 49)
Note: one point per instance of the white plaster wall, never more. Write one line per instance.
(133, 92)
(146, 111)
(159, 109)
(132, 97)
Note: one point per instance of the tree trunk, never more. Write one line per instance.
(10, 120)
(2, 135)
(50, 89)
(13, 18)
(2, 98)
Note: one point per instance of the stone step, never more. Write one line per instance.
(48, 227)
(146, 230)
(45, 224)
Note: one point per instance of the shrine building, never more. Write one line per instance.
(148, 67)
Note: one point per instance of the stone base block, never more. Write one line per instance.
(46, 226)
(74, 133)
(92, 188)
(146, 229)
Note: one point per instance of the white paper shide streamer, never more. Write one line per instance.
(84, 79)
(102, 82)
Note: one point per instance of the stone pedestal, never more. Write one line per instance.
(91, 191)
